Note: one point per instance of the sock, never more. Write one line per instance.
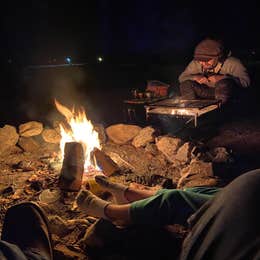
(118, 190)
(91, 204)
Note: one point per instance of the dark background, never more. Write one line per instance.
(138, 41)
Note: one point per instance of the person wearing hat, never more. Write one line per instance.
(213, 73)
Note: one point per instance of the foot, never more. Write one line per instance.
(118, 190)
(91, 204)
(27, 226)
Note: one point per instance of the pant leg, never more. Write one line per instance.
(224, 89)
(10, 251)
(228, 226)
(191, 90)
(167, 207)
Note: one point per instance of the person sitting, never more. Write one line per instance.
(224, 223)
(226, 226)
(142, 206)
(213, 73)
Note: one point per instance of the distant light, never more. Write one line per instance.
(100, 59)
(68, 60)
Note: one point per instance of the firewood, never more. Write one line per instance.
(107, 165)
(72, 167)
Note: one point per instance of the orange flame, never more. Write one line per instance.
(80, 130)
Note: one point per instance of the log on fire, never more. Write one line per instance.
(107, 165)
(72, 167)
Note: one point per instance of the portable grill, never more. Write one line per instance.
(191, 109)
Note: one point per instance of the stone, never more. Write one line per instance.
(8, 137)
(168, 146)
(31, 128)
(145, 136)
(220, 155)
(184, 152)
(196, 170)
(51, 136)
(28, 144)
(206, 181)
(122, 133)
(99, 128)
(63, 252)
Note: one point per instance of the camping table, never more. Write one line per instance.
(182, 108)
(131, 106)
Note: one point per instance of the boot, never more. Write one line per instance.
(26, 225)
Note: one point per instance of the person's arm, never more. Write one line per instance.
(235, 69)
(191, 71)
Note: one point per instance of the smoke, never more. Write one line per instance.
(69, 85)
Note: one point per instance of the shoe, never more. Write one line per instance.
(118, 190)
(27, 226)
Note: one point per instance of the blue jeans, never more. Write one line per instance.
(10, 251)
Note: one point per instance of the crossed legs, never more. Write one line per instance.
(118, 212)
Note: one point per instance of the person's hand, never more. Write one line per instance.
(216, 78)
(201, 79)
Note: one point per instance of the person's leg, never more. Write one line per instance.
(228, 226)
(26, 226)
(164, 208)
(192, 90)
(224, 90)
(10, 251)
(122, 193)
(203, 91)
(187, 90)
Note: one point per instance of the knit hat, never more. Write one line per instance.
(208, 49)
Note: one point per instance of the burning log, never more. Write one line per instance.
(72, 167)
(107, 165)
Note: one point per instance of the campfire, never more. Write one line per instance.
(49, 164)
(78, 129)
(80, 150)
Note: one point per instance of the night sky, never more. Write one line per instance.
(37, 31)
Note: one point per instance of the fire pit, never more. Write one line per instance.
(49, 165)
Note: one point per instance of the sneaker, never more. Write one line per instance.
(118, 190)
(26, 225)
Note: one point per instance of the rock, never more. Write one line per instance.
(101, 233)
(145, 136)
(220, 155)
(184, 152)
(10, 150)
(51, 136)
(50, 196)
(28, 144)
(31, 128)
(63, 252)
(121, 133)
(58, 226)
(152, 149)
(201, 168)
(8, 137)
(168, 146)
(99, 128)
(206, 181)
(196, 170)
